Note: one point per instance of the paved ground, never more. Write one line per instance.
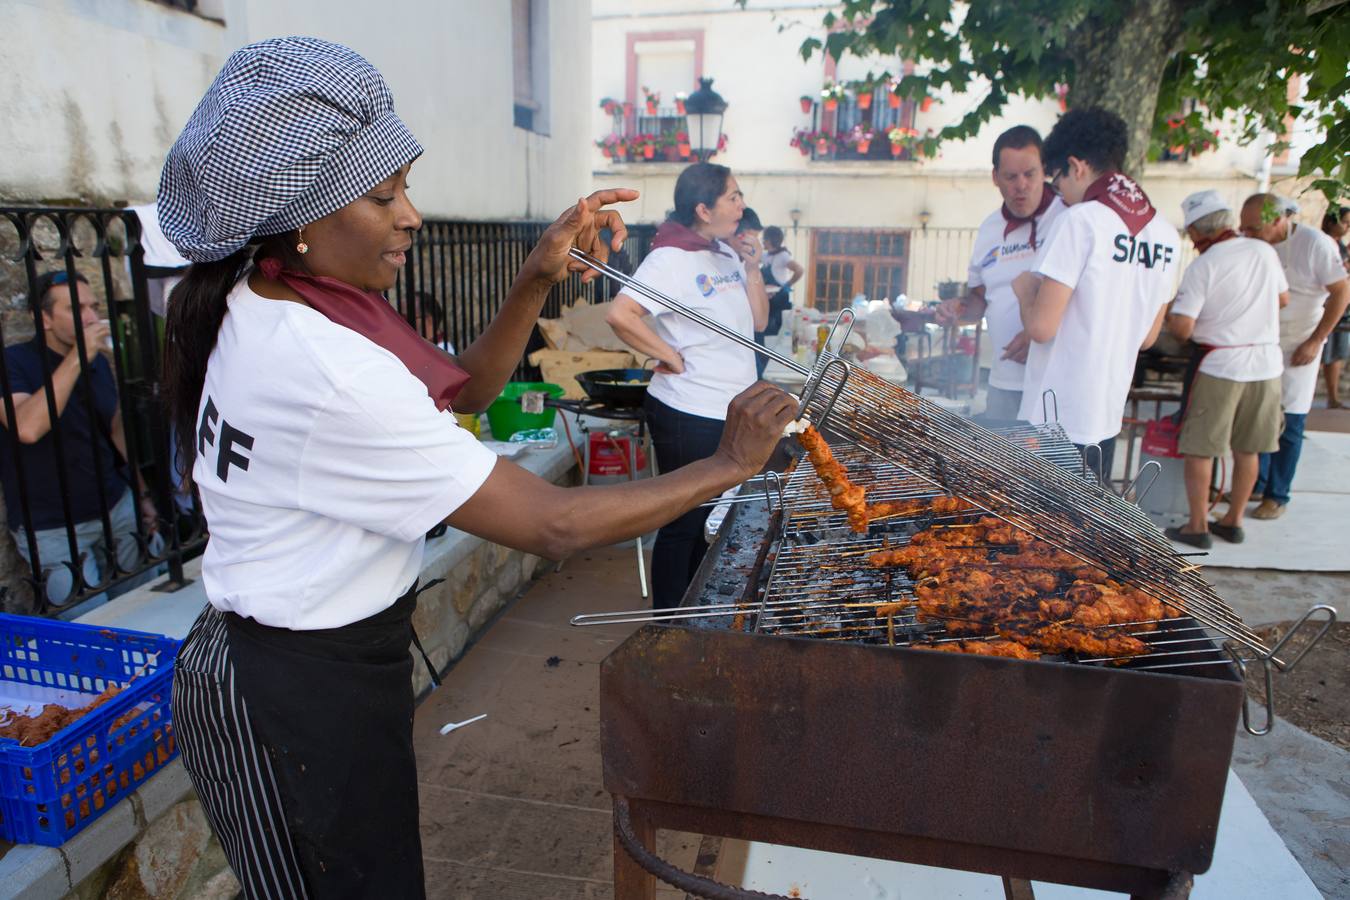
(512, 806)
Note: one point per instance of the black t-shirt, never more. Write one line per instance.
(82, 439)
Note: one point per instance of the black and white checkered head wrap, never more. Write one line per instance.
(292, 129)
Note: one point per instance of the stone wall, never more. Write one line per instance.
(177, 856)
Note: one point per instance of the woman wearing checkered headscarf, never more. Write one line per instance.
(315, 424)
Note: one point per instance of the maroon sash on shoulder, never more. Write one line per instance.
(369, 314)
(1120, 192)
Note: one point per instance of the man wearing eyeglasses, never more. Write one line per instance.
(1098, 289)
(70, 463)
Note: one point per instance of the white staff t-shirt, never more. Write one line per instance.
(778, 264)
(1311, 261)
(997, 260)
(321, 463)
(1119, 282)
(715, 367)
(1232, 290)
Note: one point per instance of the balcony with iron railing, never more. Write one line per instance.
(863, 122)
(648, 133)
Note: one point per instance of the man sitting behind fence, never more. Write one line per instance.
(1229, 306)
(92, 477)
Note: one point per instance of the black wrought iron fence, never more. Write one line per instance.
(73, 489)
(85, 449)
(459, 272)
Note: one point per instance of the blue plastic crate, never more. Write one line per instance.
(50, 792)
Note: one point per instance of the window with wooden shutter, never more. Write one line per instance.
(848, 262)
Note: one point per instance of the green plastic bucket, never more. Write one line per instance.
(506, 417)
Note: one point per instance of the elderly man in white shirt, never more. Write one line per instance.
(1228, 305)
(1318, 296)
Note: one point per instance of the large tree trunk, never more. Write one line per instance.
(1119, 62)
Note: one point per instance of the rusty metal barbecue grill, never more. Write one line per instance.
(774, 705)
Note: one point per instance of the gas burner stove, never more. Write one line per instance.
(598, 410)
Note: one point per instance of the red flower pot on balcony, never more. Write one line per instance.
(897, 149)
(863, 147)
(649, 152)
(864, 101)
(684, 151)
(620, 151)
(822, 147)
(831, 104)
(679, 107)
(893, 100)
(807, 102)
(926, 104)
(651, 108)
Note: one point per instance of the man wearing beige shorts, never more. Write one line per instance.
(1229, 306)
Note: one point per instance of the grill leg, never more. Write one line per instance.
(1017, 889)
(1178, 887)
(631, 881)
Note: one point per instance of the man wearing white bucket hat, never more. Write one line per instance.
(1228, 305)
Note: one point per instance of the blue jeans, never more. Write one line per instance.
(54, 550)
(1276, 479)
(679, 439)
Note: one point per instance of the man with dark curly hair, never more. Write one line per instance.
(1099, 286)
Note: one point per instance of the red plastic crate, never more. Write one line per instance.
(50, 792)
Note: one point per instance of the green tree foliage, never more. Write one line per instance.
(1170, 68)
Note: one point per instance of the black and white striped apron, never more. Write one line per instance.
(299, 744)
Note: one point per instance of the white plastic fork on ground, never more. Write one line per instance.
(451, 726)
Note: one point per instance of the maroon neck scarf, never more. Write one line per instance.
(369, 314)
(1015, 222)
(1120, 192)
(1204, 244)
(682, 237)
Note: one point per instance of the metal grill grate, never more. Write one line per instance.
(822, 586)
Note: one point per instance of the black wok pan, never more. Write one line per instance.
(607, 386)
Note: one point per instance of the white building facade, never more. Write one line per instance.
(876, 226)
(495, 91)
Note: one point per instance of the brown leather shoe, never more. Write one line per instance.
(1268, 509)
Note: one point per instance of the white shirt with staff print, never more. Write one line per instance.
(715, 367)
(1119, 283)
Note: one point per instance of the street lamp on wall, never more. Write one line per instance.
(796, 216)
(924, 218)
(704, 110)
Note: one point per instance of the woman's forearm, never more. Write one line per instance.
(634, 331)
(493, 357)
(565, 520)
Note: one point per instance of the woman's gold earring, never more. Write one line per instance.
(301, 247)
